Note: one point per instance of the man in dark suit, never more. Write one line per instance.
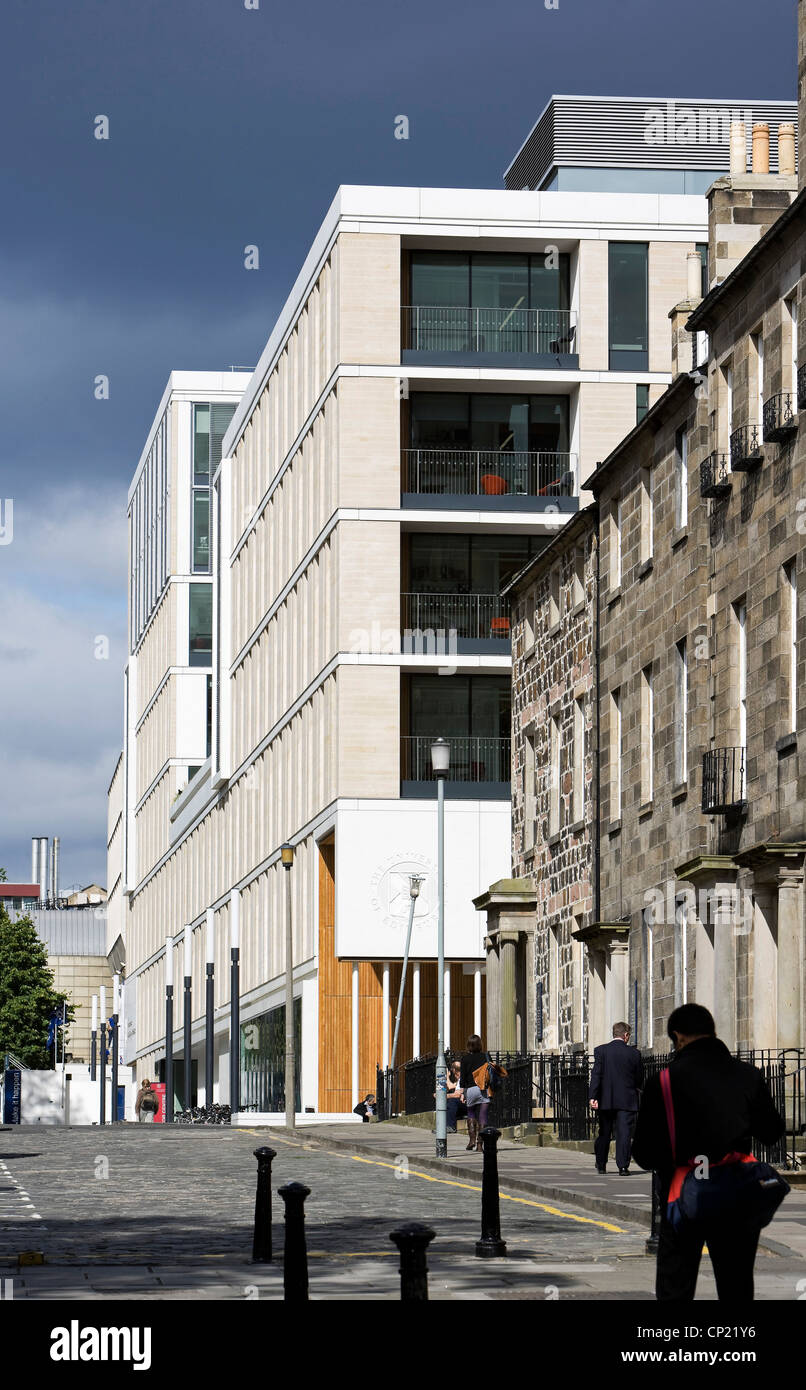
(720, 1106)
(616, 1079)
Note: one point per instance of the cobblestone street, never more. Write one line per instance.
(145, 1212)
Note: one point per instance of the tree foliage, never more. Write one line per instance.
(27, 995)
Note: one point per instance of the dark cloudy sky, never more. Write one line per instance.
(124, 257)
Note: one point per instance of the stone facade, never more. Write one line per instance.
(554, 769)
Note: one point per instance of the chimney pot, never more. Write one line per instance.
(738, 148)
(693, 276)
(761, 148)
(786, 148)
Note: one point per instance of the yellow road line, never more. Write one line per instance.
(505, 1196)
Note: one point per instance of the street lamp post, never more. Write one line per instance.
(102, 1116)
(414, 892)
(440, 762)
(115, 1044)
(209, 1010)
(94, 1040)
(187, 1014)
(235, 1003)
(168, 1116)
(287, 857)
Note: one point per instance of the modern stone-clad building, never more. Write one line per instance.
(448, 367)
(696, 887)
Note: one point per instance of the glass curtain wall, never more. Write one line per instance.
(628, 289)
(454, 582)
(473, 713)
(210, 423)
(490, 302)
(263, 1060)
(201, 625)
(489, 443)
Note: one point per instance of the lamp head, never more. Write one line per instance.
(441, 757)
(287, 855)
(414, 884)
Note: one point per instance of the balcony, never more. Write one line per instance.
(489, 337)
(745, 449)
(475, 622)
(714, 476)
(723, 782)
(802, 388)
(779, 420)
(479, 768)
(496, 480)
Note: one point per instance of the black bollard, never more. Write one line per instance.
(651, 1246)
(295, 1255)
(261, 1244)
(491, 1243)
(412, 1241)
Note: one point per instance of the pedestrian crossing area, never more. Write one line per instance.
(17, 1211)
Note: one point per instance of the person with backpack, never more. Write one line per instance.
(696, 1125)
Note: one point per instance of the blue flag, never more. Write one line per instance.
(55, 1021)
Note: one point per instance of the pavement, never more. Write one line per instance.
(166, 1213)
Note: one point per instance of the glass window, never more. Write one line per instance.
(489, 422)
(460, 707)
(201, 532)
(263, 1059)
(440, 278)
(549, 285)
(201, 443)
(702, 247)
(628, 299)
(499, 282)
(201, 625)
(641, 403)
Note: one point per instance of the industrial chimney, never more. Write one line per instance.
(54, 871)
(42, 876)
(34, 859)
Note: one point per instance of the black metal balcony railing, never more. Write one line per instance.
(477, 617)
(714, 476)
(802, 387)
(488, 472)
(745, 449)
(451, 328)
(472, 759)
(779, 419)
(723, 781)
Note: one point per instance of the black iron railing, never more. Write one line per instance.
(723, 781)
(489, 472)
(472, 759)
(801, 384)
(745, 449)
(714, 476)
(779, 420)
(455, 328)
(477, 617)
(552, 1088)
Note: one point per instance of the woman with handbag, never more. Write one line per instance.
(473, 1071)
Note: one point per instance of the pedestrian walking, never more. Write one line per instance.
(476, 1100)
(716, 1107)
(147, 1103)
(615, 1084)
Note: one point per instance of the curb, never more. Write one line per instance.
(598, 1205)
